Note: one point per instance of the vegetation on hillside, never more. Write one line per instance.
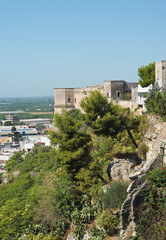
(52, 191)
(152, 212)
(156, 101)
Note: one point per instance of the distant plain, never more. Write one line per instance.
(32, 107)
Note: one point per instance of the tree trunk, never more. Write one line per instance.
(130, 134)
(102, 179)
(131, 137)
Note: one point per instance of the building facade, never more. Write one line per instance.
(160, 74)
(115, 90)
(12, 118)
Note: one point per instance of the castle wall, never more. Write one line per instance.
(113, 90)
(81, 93)
(126, 104)
(64, 97)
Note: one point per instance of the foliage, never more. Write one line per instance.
(144, 124)
(123, 146)
(142, 151)
(100, 115)
(160, 103)
(156, 101)
(41, 157)
(101, 155)
(152, 212)
(115, 195)
(97, 234)
(16, 135)
(61, 185)
(8, 123)
(67, 197)
(107, 221)
(14, 218)
(81, 218)
(74, 113)
(127, 96)
(40, 236)
(147, 74)
(73, 145)
(108, 119)
(14, 161)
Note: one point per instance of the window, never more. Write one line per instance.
(75, 100)
(157, 75)
(69, 100)
(107, 94)
(118, 94)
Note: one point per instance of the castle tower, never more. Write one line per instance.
(160, 74)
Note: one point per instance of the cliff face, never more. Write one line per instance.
(133, 200)
(154, 136)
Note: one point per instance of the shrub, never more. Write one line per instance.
(127, 96)
(142, 150)
(107, 221)
(115, 195)
(152, 212)
(97, 234)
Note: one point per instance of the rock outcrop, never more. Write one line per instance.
(122, 169)
(128, 210)
(154, 136)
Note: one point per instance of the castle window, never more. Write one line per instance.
(118, 94)
(69, 100)
(107, 94)
(75, 100)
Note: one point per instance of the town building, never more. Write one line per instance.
(126, 94)
(12, 118)
(24, 130)
(142, 96)
(118, 91)
(37, 121)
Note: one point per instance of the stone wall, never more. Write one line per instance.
(155, 135)
(126, 104)
(160, 74)
(113, 90)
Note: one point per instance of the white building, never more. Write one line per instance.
(24, 130)
(37, 121)
(29, 142)
(141, 95)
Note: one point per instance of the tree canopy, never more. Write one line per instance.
(156, 101)
(106, 118)
(147, 74)
(73, 144)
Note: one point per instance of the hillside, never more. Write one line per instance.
(68, 192)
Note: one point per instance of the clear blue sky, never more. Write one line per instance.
(46, 44)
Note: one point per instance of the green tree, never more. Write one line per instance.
(150, 99)
(16, 135)
(8, 123)
(106, 118)
(156, 101)
(73, 145)
(147, 74)
(14, 218)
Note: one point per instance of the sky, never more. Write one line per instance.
(47, 44)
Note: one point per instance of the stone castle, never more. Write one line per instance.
(119, 91)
